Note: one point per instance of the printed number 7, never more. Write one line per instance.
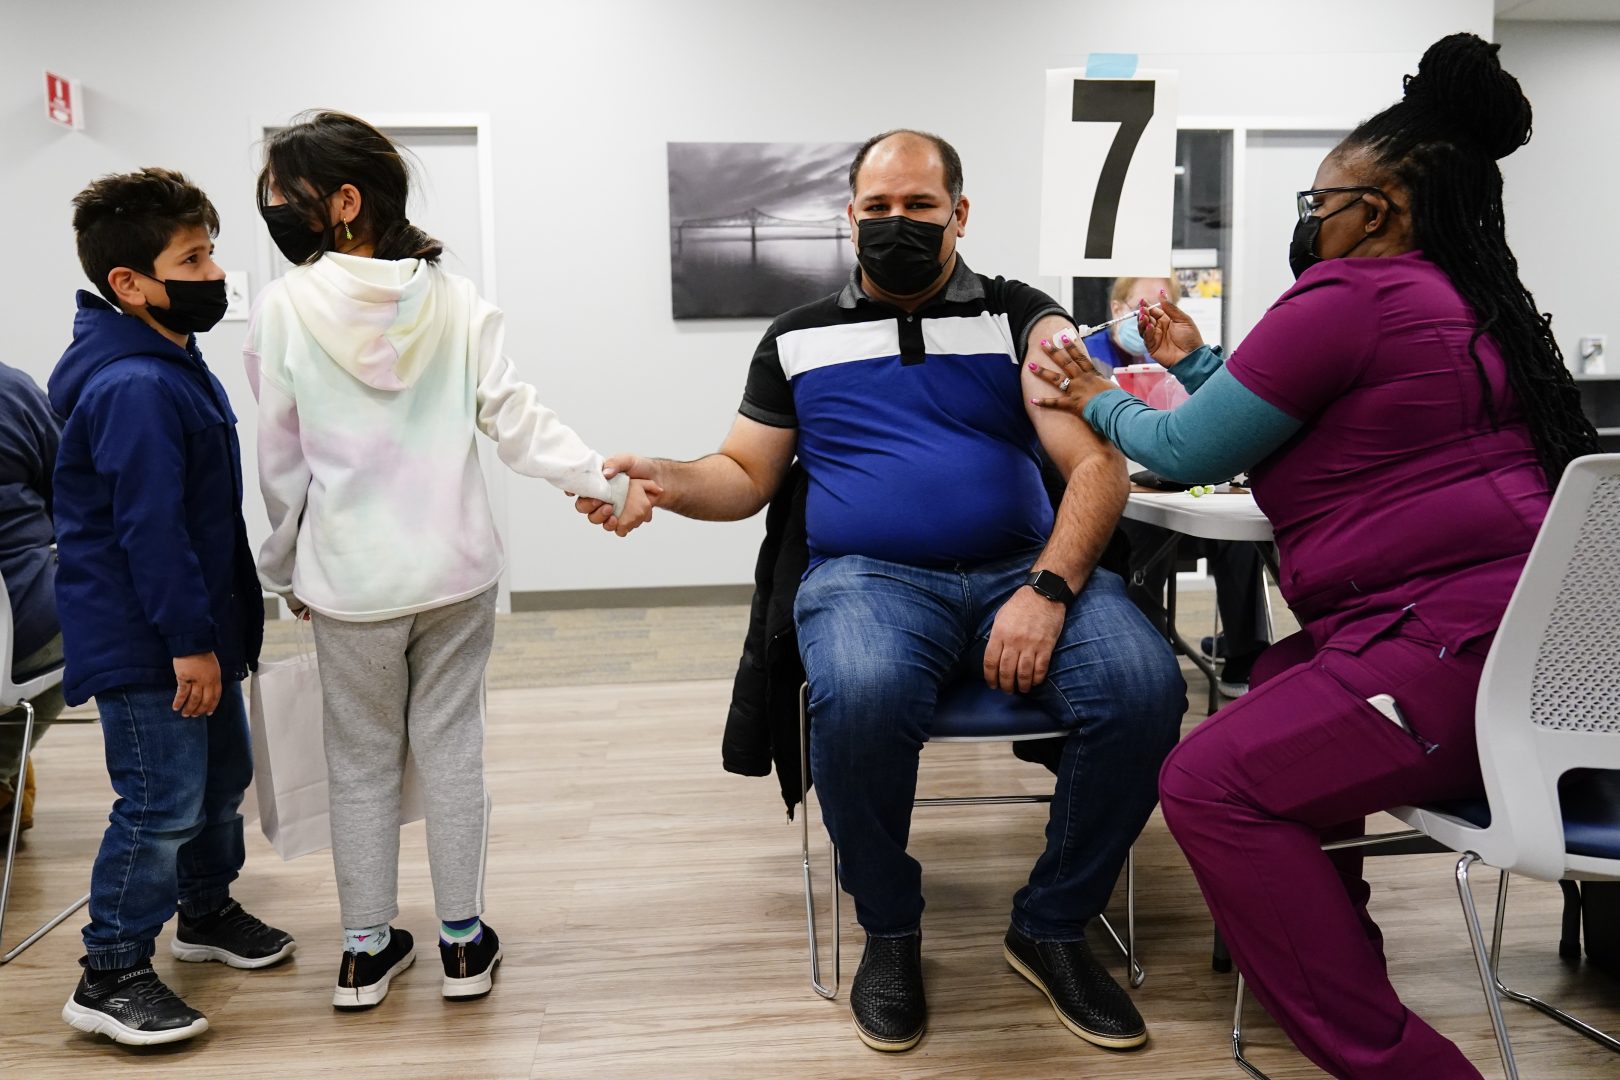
(1128, 103)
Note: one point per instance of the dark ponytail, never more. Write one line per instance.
(1460, 114)
(319, 153)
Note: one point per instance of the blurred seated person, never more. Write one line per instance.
(28, 437)
(1236, 567)
(1121, 344)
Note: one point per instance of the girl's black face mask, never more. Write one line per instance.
(900, 254)
(292, 235)
(195, 307)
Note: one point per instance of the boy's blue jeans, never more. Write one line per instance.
(880, 639)
(174, 837)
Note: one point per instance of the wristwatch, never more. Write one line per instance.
(1050, 585)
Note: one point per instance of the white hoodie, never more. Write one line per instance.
(372, 376)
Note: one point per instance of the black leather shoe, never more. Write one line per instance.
(887, 995)
(1087, 999)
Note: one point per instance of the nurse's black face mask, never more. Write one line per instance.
(1302, 248)
(901, 254)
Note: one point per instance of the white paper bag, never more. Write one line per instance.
(289, 759)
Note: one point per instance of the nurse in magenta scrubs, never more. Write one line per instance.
(1404, 414)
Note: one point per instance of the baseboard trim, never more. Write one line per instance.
(663, 596)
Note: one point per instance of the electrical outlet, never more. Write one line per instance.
(1589, 354)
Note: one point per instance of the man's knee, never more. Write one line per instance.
(866, 700)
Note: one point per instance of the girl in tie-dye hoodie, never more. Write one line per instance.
(374, 369)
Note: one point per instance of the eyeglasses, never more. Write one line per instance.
(1307, 205)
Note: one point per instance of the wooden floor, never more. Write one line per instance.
(653, 921)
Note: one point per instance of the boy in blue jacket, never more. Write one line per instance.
(160, 606)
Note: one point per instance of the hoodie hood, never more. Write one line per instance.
(101, 335)
(378, 319)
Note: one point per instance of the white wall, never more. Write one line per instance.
(1562, 219)
(583, 97)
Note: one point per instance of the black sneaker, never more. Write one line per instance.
(1234, 680)
(887, 995)
(363, 978)
(469, 970)
(1087, 999)
(131, 1007)
(231, 936)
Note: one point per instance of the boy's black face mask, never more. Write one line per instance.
(292, 234)
(195, 307)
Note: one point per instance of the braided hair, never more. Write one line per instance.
(1460, 114)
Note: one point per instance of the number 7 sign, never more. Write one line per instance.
(1108, 175)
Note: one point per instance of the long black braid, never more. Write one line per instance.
(1460, 114)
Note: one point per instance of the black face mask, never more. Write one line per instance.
(900, 254)
(292, 234)
(1302, 248)
(195, 307)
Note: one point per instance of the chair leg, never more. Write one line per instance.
(1487, 976)
(821, 988)
(1602, 1038)
(1127, 945)
(11, 856)
(1237, 1035)
(16, 814)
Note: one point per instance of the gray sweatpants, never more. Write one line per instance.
(415, 682)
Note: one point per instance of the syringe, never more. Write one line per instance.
(1087, 331)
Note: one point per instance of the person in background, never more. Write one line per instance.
(1400, 541)
(1121, 344)
(29, 434)
(1237, 568)
(161, 614)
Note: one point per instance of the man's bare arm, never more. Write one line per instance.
(1095, 472)
(732, 484)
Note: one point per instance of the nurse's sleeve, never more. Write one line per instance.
(1315, 342)
(1219, 432)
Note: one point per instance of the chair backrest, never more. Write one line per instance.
(11, 692)
(1549, 700)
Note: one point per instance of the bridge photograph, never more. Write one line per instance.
(756, 228)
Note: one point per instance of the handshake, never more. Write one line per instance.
(638, 504)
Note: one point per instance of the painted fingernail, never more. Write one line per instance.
(1034, 367)
(1065, 338)
(1045, 344)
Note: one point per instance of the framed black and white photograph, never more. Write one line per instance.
(757, 228)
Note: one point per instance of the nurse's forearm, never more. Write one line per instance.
(1220, 431)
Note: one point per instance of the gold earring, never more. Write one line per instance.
(347, 235)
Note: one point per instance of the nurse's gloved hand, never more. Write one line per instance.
(1167, 332)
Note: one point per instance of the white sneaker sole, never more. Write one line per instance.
(96, 1022)
(201, 954)
(473, 985)
(364, 997)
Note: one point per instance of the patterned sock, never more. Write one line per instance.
(461, 932)
(367, 939)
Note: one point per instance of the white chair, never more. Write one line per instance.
(1548, 724)
(13, 695)
(968, 711)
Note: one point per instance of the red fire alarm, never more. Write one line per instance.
(64, 101)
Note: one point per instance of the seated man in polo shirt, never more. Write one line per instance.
(935, 554)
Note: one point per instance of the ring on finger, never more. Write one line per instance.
(1063, 386)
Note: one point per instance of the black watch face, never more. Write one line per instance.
(1049, 585)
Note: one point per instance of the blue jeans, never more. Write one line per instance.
(879, 640)
(174, 837)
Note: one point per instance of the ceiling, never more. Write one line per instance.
(1559, 10)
